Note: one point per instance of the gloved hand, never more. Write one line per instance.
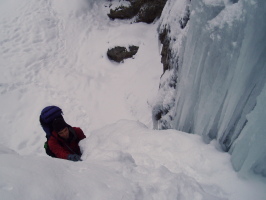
(73, 157)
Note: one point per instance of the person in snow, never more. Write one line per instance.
(64, 140)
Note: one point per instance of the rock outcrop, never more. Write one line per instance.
(143, 10)
(119, 53)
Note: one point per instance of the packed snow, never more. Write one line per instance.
(54, 53)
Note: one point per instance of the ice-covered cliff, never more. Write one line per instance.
(214, 56)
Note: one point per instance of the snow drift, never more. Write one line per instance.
(54, 53)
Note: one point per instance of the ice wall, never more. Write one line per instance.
(249, 150)
(218, 60)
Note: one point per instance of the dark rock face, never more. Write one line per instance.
(150, 11)
(118, 53)
(165, 39)
(123, 12)
(166, 50)
(144, 10)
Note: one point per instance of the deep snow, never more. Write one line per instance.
(54, 53)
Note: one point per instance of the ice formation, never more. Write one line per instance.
(216, 55)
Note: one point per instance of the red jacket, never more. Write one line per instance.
(60, 147)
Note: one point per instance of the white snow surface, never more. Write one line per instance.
(54, 53)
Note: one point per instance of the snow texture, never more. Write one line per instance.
(54, 53)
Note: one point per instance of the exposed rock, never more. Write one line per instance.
(166, 50)
(123, 12)
(118, 53)
(165, 38)
(144, 10)
(150, 11)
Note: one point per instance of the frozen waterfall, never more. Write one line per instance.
(215, 72)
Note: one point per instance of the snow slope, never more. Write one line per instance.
(54, 53)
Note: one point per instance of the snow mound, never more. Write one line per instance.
(166, 164)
